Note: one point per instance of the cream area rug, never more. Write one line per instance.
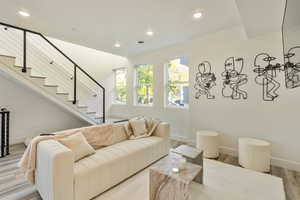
(221, 182)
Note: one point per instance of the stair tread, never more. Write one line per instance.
(35, 76)
(82, 106)
(71, 100)
(91, 112)
(51, 85)
(62, 93)
(8, 56)
(17, 66)
(98, 117)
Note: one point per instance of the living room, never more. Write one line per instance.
(203, 94)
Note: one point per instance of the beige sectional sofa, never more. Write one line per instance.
(59, 178)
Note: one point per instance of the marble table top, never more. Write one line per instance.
(187, 151)
(165, 165)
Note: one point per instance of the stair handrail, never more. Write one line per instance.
(76, 66)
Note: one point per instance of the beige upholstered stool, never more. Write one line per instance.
(208, 141)
(255, 154)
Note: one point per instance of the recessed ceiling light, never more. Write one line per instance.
(197, 15)
(150, 33)
(24, 14)
(117, 45)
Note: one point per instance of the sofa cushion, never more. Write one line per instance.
(99, 136)
(110, 165)
(78, 145)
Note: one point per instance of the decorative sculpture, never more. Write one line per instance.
(233, 79)
(291, 70)
(205, 80)
(266, 75)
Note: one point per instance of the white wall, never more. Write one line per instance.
(31, 113)
(273, 121)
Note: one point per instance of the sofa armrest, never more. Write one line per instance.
(163, 130)
(55, 171)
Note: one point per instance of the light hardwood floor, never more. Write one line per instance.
(291, 179)
(13, 186)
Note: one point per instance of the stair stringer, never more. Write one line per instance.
(7, 65)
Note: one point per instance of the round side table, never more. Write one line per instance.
(209, 142)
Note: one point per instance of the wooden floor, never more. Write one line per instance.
(291, 179)
(13, 186)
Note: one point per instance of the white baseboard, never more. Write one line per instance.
(228, 151)
(288, 164)
(181, 139)
(17, 140)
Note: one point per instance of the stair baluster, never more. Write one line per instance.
(24, 69)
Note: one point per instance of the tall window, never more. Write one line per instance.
(120, 85)
(177, 83)
(144, 84)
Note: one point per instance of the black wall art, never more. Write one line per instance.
(233, 79)
(266, 75)
(205, 80)
(291, 69)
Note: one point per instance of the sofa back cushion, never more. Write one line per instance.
(99, 136)
(103, 135)
(119, 133)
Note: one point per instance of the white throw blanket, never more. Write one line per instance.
(28, 160)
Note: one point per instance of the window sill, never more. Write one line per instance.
(177, 107)
(119, 104)
(144, 105)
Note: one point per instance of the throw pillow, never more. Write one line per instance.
(138, 126)
(151, 125)
(78, 145)
(128, 129)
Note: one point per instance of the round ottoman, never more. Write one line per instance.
(255, 154)
(208, 141)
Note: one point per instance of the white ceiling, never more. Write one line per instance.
(99, 24)
(261, 16)
(292, 14)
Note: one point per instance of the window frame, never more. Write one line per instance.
(136, 103)
(166, 86)
(115, 101)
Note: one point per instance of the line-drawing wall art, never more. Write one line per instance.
(291, 69)
(233, 79)
(205, 80)
(266, 75)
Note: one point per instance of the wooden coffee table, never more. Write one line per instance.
(167, 185)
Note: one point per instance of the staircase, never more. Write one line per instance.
(33, 60)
